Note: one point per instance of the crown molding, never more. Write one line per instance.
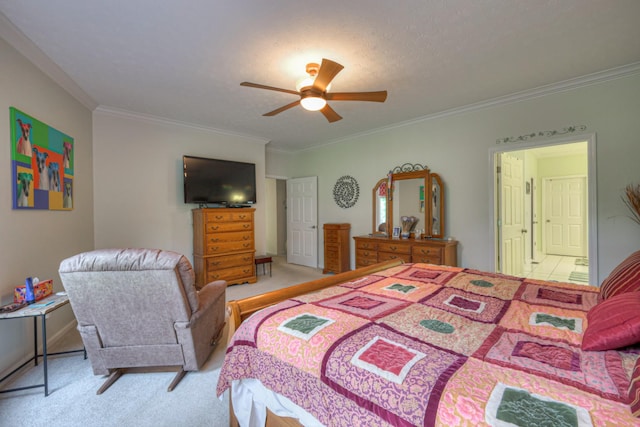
(563, 86)
(116, 112)
(27, 48)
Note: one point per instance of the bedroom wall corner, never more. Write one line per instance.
(35, 241)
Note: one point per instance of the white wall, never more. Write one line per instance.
(457, 147)
(34, 242)
(138, 179)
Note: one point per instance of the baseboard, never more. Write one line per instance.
(51, 341)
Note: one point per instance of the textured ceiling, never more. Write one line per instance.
(183, 61)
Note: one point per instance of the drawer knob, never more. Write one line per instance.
(219, 217)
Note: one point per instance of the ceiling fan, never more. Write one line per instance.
(313, 91)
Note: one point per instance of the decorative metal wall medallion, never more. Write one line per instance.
(542, 133)
(346, 191)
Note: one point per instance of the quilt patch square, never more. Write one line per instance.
(299, 336)
(401, 289)
(362, 281)
(440, 328)
(426, 273)
(573, 297)
(511, 406)
(573, 324)
(469, 391)
(304, 325)
(503, 287)
(548, 321)
(481, 308)
(377, 358)
(600, 373)
(363, 304)
(387, 359)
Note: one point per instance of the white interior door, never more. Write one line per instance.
(302, 221)
(511, 211)
(565, 211)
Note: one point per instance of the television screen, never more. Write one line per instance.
(218, 181)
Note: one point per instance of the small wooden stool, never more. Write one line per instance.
(263, 259)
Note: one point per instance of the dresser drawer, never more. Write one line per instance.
(394, 247)
(363, 262)
(225, 216)
(218, 227)
(367, 254)
(233, 274)
(365, 244)
(427, 254)
(231, 236)
(225, 247)
(225, 261)
(385, 256)
(331, 236)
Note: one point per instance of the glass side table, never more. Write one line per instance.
(40, 309)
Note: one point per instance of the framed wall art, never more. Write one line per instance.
(42, 164)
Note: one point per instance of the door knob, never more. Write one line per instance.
(313, 226)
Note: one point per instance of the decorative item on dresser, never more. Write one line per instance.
(374, 249)
(336, 248)
(223, 245)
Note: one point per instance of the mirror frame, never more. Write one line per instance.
(404, 172)
(436, 178)
(374, 211)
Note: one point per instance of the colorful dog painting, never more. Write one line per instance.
(42, 162)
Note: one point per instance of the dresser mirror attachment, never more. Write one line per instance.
(409, 190)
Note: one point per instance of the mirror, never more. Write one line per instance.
(414, 191)
(408, 199)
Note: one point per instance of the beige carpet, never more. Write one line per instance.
(137, 398)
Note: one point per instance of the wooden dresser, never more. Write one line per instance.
(336, 248)
(370, 250)
(223, 245)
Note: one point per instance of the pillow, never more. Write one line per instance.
(624, 278)
(613, 323)
(634, 390)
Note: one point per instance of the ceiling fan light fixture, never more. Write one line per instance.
(313, 103)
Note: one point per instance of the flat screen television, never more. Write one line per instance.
(219, 182)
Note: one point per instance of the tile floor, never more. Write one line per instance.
(555, 267)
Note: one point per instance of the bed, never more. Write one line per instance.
(398, 344)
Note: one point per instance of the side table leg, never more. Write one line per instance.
(35, 340)
(44, 354)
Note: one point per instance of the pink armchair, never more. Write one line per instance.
(140, 308)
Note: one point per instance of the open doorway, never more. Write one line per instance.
(544, 210)
(276, 216)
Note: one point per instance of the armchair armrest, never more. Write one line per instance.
(208, 296)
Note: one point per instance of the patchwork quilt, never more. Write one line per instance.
(424, 345)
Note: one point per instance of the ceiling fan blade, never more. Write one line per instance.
(379, 96)
(328, 70)
(330, 114)
(277, 89)
(281, 109)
